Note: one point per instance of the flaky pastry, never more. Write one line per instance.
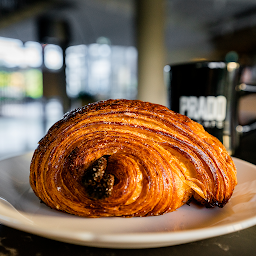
(129, 158)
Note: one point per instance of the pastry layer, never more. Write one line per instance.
(129, 158)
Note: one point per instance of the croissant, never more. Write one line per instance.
(129, 158)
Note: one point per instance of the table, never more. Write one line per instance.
(15, 242)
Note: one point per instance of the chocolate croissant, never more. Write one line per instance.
(129, 158)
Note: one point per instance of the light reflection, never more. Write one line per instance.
(21, 88)
(11, 52)
(98, 70)
(14, 54)
(101, 70)
(214, 65)
(53, 112)
(104, 50)
(167, 68)
(53, 57)
(231, 66)
(33, 53)
(76, 71)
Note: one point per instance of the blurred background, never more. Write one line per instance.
(61, 54)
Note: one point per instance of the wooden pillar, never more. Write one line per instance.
(151, 50)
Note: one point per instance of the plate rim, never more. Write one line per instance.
(132, 239)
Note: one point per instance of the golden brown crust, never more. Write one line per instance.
(156, 160)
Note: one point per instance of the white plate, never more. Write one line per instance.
(21, 209)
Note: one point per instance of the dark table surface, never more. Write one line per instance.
(14, 242)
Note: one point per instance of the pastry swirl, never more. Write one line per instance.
(129, 158)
